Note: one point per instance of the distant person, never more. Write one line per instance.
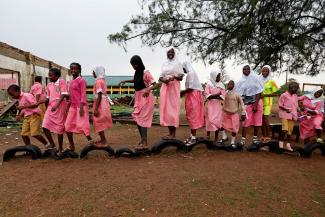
(194, 102)
(270, 90)
(54, 118)
(312, 106)
(215, 94)
(28, 107)
(250, 88)
(170, 101)
(288, 105)
(77, 120)
(233, 112)
(144, 101)
(102, 118)
(39, 93)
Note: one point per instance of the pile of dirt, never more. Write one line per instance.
(126, 100)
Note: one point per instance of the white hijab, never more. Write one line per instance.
(249, 85)
(312, 95)
(171, 67)
(99, 72)
(192, 79)
(269, 77)
(212, 81)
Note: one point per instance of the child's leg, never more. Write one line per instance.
(281, 138)
(26, 140)
(243, 136)
(208, 134)
(143, 134)
(233, 138)
(267, 126)
(35, 125)
(89, 138)
(172, 131)
(216, 135)
(60, 141)
(224, 135)
(71, 142)
(41, 139)
(193, 132)
(102, 137)
(256, 128)
(49, 137)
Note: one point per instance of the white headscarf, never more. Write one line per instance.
(192, 79)
(212, 81)
(269, 77)
(312, 95)
(171, 67)
(100, 72)
(249, 85)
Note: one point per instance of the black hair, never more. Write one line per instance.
(293, 83)
(76, 64)
(56, 71)
(136, 60)
(38, 79)
(231, 81)
(13, 87)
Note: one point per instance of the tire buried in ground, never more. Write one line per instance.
(200, 140)
(312, 146)
(88, 148)
(31, 150)
(164, 143)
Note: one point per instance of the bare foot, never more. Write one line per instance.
(169, 137)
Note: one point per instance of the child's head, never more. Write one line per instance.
(230, 85)
(218, 78)
(318, 93)
(266, 71)
(75, 69)
(14, 91)
(137, 63)
(38, 79)
(54, 74)
(293, 87)
(171, 54)
(246, 70)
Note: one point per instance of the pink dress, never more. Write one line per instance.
(254, 119)
(170, 104)
(37, 89)
(54, 121)
(104, 120)
(74, 122)
(194, 106)
(144, 106)
(28, 99)
(213, 115)
(309, 126)
(233, 106)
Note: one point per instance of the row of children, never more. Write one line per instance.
(250, 101)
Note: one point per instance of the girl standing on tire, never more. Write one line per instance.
(313, 107)
(102, 118)
(270, 90)
(78, 118)
(214, 93)
(194, 103)
(250, 88)
(144, 102)
(170, 97)
(54, 118)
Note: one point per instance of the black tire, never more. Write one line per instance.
(311, 147)
(254, 147)
(88, 148)
(68, 154)
(200, 140)
(162, 144)
(274, 147)
(31, 150)
(124, 152)
(50, 153)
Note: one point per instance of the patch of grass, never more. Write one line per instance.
(115, 109)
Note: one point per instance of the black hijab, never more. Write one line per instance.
(138, 75)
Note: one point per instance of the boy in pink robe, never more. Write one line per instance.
(102, 118)
(170, 97)
(312, 107)
(54, 118)
(144, 102)
(78, 118)
(288, 105)
(194, 103)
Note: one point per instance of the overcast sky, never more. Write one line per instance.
(65, 31)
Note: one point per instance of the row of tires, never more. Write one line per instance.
(272, 146)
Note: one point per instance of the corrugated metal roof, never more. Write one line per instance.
(112, 80)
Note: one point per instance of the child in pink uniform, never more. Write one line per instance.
(313, 107)
(233, 107)
(144, 103)
(39, 93)
(28, 107)
(288, 105)
(102, 118)
(170, 101)
(194, 103)
(54, 118)
(250, 88)
(77, 120)
(214, 93)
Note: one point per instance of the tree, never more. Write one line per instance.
(287, 34)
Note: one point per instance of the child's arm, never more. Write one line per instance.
(98, 101)
(241, 108)
(83, 100)
(258, 97)
(34, 105)
(125, 81)
(153, 86)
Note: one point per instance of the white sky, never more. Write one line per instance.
(65, 31)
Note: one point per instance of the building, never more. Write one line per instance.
(20, 67)
(113, 88)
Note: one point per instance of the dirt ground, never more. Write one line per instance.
(200, 183)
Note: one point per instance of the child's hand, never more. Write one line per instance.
(146, 92)
(242, 117)
(20, 107)
(255, 108)
(81, 111)
(121, 83)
